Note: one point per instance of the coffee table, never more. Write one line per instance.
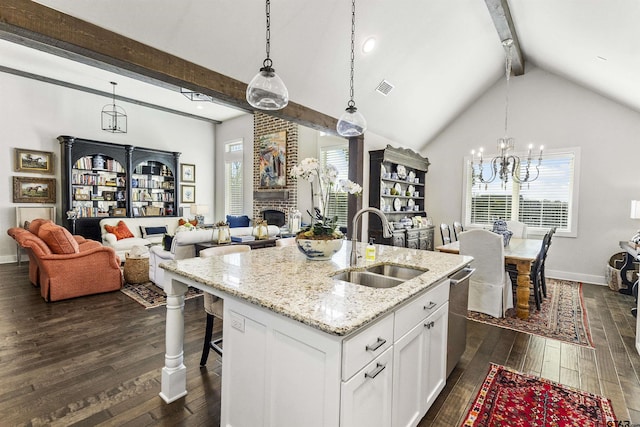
(255, 244)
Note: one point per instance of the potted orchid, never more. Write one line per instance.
(324, 226)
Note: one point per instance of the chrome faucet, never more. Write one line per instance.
(387, 231)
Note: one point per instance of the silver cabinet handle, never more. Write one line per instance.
(430, 306)
(379, 368)
(430, 325)
(379, 343)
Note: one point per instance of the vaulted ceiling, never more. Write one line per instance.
(440, 55)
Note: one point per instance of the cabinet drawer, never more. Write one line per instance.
(365, 346)
(408, 316)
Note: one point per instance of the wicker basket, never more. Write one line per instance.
(136, 270)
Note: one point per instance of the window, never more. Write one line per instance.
(337, 156)
(233, 195)
(550, 201)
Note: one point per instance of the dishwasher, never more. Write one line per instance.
(457, 331)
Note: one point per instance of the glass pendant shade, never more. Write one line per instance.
(267, 90)
(351, 122)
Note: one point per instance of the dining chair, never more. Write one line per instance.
(490, 286)
(543, 281)
(213, 305)
(457, 229)
(445, 233)
(520, 229)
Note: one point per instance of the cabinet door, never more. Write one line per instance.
(366, 398)
(413, 244)
(398, 239)
(408, 374)
(435, 356)
(419, 368)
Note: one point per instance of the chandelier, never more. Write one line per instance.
(114, 118)
(505, 164)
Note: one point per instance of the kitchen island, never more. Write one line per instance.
(302, 348)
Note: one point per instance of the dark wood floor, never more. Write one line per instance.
(96, 361)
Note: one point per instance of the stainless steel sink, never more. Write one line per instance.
(396, 271)
(366, 278)
(379, 276)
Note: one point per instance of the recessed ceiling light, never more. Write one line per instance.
(368, 45)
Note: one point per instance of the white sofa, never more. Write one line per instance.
(125, 245)
(183, 246)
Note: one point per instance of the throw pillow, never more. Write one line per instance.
(166, 242)
(34, 226)
(193, 222)
(121, 231)
(151, 231)
(59, 240)
(26, 225)
(236, 221)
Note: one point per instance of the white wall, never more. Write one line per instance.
(240, 128)
(547, 109)
(33, 114)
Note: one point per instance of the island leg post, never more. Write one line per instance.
(174, 373)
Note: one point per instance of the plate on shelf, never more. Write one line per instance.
(382, 203)
(383, 170)
(402, 171)
(411, 177)
(397, 204)
(398, 188)
(411, 203)
(411, 190)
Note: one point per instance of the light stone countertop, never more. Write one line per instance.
(281, 279)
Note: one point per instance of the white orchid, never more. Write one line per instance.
(309, 170)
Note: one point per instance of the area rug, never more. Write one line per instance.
(562, 315)
(510, 398)
(151, 296)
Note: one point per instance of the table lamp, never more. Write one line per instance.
(198, 212)
(635, 214)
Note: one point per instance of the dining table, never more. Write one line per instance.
(521, 253)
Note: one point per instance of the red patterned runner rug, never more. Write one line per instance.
(510, 398)
(562, 315)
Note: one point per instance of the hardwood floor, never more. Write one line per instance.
(96, 360)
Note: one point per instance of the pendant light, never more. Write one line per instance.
(352, 123)
(267, 91)
(114, 118)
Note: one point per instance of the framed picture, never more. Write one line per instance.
(187, 172)
(34, 190)
(33, 161)
(273, 159)
(119, 212)
(188, 194)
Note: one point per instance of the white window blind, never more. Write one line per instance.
(234, 195)
(546, 202)
(337, 156)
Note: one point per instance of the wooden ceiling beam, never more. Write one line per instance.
(38, 26)
(501, 16)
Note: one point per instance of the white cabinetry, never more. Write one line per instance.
(280, 372)
(419, 356)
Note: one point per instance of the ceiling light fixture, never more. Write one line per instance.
(368, 45)
(114, 118)
(352, 123)
(266, 91)
(195, 96)
(505, 164)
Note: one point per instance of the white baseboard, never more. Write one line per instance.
(7, 259)
(577, 277)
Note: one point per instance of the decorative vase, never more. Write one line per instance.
(500, 227)
(319, 250)
(224, 235)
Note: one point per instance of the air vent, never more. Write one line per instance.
(385, 87)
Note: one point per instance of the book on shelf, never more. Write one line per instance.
(242, 238)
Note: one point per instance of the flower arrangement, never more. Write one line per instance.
(323, 226)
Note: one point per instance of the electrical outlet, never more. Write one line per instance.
(237, 322)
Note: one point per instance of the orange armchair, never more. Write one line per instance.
(66, 266)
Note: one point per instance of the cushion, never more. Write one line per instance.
(236, 221)
(121, 231)
(58, 238)
(150, 231)
(166, 242)
(193, 222)
(34, 226)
